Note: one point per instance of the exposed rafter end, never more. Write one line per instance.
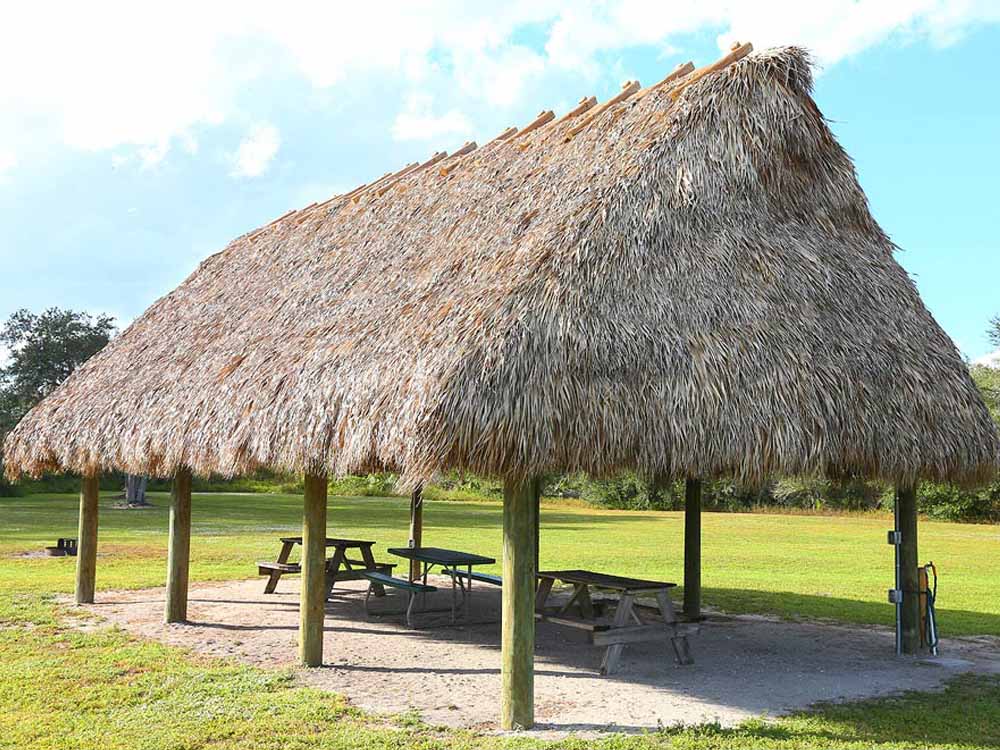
(679, 72)
(737, 52)
(438, 156)
(585, 105)
(543, 118)
(453, 160)
(505, 135)
(628, 88)
(369, 189)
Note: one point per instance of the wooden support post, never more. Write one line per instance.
(692, 549)
(906, 498)
(179, 547)
(517, 690)
(86, 554)
(538, 521)
(311, 607)
(416, 528)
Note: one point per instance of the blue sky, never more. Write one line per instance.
(134, 142)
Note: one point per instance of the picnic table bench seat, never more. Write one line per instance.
(474, 575)
(266, 567)
(412, 588)
(382, 566)
(397, 583)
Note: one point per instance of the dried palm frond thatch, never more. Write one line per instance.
(687, 282)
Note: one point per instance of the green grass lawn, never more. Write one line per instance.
(62, 688)
(835, 567)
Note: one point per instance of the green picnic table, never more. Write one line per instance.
(452, 561)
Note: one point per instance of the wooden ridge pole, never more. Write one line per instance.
(906, 499)
(517, 649)
(692, 549)
(311, 607)
(179, 547)
(86, 555)
(737, 52)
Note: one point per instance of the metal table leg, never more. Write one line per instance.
(423, 595)
(468, 597)
(454, 595)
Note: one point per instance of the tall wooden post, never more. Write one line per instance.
(311, 608)
(517, 675)
(906, 513)
(416, 528)
(86, 554)
(692, 549)
(538, 522)
(179, 547)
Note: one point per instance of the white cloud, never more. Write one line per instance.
(499, 77)
(256, 151)
(151, 156)
(417, 122)
(832, 29)
(989, 360)
(116, 74)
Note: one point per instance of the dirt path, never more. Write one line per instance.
(744, 666)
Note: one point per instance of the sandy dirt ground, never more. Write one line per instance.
(744, 666)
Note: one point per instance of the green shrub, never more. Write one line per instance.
(630, 491)
(455, 485)
(10, 490)
(829, 494)
(369, 485)
(951, 503)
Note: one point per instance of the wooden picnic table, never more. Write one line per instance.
(339, 567)
(626, 625)
(451, 559)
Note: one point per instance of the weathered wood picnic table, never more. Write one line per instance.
(339, 567)
(626, 626)
(452, 561)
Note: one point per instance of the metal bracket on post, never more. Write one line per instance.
(895, 538)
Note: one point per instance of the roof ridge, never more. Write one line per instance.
(681, 76)
(628, 88)
(737, 52)
(680, 71)
(456, 157)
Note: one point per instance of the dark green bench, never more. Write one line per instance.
(411, 588)
(465, 575)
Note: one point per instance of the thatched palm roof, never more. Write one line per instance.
(687, 281)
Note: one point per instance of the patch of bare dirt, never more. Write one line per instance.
(450, 674)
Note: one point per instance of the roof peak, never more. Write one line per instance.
(675, 83)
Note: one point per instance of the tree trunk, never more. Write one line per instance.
(135, 490)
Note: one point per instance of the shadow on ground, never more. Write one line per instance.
(745, 666)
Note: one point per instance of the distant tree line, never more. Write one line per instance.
(44, 349)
